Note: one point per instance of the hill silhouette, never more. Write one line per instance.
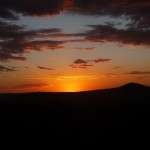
(134, 86)
(122, 111)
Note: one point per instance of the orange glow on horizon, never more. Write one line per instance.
(74, 83)
(70, 88)
(66, 83)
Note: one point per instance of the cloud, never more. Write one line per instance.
(45, 68)
(139, 73)
(39, 45)
(137, 32)
(15, 41)
(65, 35)
(105, 33)
(84, 7)
(5, 57)
(8, 14)
(78, 67)
(37, 85)
(86, 48)
(6, 69)
(47, 31)
(10, 48)
(80, 61)
(30, 8)
(81, 66)
(84, 62)
(137, 11)
(86, 65)
(101, 60)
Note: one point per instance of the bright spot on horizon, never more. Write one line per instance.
(70, 88)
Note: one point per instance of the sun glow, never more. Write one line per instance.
(70, 88)
(74, 83)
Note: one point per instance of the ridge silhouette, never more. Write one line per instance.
(122, 112)
(133, 85)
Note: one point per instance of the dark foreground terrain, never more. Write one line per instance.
(122, 112)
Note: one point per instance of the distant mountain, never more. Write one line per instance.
(134, 86)
(129, 87)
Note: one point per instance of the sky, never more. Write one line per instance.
(73, 45)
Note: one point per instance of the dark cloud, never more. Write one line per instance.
(139, 73)
(30, 7)
(138, 11)
(135, 10)
(92, 7)
(8, 30)
(36, 85)
(15, 41)
(39, 45)
(77, 67)
(6, 69)
(80, 61)
(101, 60)
(8, 14)
(48, 31)
(137, 31)
(45, 68)
(83, 64)
(13, 67)
(86, 48)
(104, 33)
(73, 66)
(64, 35)
(5, 56)
(86, 65)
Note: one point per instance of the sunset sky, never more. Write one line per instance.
(73, 45)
